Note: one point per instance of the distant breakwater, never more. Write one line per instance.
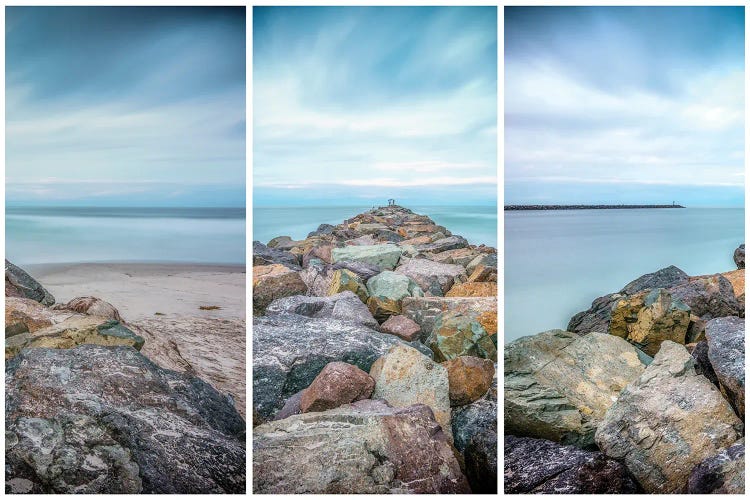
(584, 207)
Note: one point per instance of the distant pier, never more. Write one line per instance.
(585, 207)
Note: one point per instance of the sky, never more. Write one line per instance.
(121, 106)
(355, 105)
(624, 105)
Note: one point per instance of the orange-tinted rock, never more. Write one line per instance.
(483, 273)
(477, 289)
(383, 308)
(469, 378)
(488, 320)
(737, 279)
(273, 282)
(402, 327)
(337, 384)
(93, 307)
(419, 240)
(27, 315)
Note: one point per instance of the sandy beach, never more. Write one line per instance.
(163, 302)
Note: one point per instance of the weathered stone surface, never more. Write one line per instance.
(364, 240)
(663, 278)
(597, 317)
(696, 331)
(483, 289)
(405, 377)
(281, 241)
(459, 256)
(480, 462)
(433, 277)
(322, 252)
(372, 448)
(292, 406)
(456, 334)
(444, 244)
(726, 352)
(624, 314)
(24, 315)
(364, 270)
(265, 256)
(737, 279)
(290, 350)
(402, 327)
(482, 260)
(703, 364)
(322, 229)
(722, 473)
(661, 318)
(424, 310)
(18, 283)
(667, 421)
(337, 384)
(317, 276)
(469, 378)
(274, 282)
(100, 419)
(344, 306)
(72, 332)
(559, 385)
(343, 280)
(92, 306)
(472, 419)
(483, 274)
(708, 296)
(541, 466)
(739, 256)
(392, 285)
(382, 308)
(384, 256)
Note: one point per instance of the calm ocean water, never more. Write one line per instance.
(44, 235)
(558, 262)
(478, 224)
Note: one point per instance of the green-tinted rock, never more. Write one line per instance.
(384, 256)
(393, 286)
(456, 334)
(344, 280)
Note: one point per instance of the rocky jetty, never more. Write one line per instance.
(644, 392)
(87, 412)
(374, 358)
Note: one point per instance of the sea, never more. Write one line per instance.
(558, 262)
(478, 224)
(51, 235)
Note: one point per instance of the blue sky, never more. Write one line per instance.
(125, 106)
(624, 105)
(355, 105)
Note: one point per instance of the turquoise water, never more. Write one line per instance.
(44, 235)
(558, 262)
(478, 224)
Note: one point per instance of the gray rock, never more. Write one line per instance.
(726, 352)
(722, 473)
(663, 278)
(597, 317)
(290, 350)
(739, 256)
(264, 255)
(344, 306)
(443, 244)
(708, 296)
(317, 276)
(425, 310)
(480, 462)
(362, 269)
(18, 283)
(322, 229)
(392, 285)
(433, 277)
(107, 420)
(483, 259)
(471, 419)
(364, 447)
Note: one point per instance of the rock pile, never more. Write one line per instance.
(374, 352)
(86, 412)
(644, 392)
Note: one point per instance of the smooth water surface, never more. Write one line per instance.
(478, 224)
(44, 235)
(558, 262)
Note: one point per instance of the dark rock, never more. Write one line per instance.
(107, 420)
(708, 296)
(700, 354)
(291, 407)
(264, 255)
(726, 351)
(739, 256)
(322, 229)
(18, 283)
(344, 306)
(362, 269)
(466, 421)
(723, 473)
(597, 317)
(480, 462)
(663, 278)
(541, 466)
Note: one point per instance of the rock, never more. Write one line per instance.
(382, 308)
(322, 229)
(100, 419)
(274, 282)
(72, 332)
(322, 252)
(343, 306)
(343, 280)
(696, 331)
(18, 283)
(265, 256)
(469, 378)
(394, 286)
(290, 350)
(723, 473)
(703, 364)
(739, 256)
(708, 296)
(472, 419)
(378, 449)
(483, 274)
(624, 314)
(292, 406)
(482, 260)
(483, 289)
(663, 278)
(541, 466)
(337, 384)
(402, 327)
(726, 352)
(597, 317)
(281, 241)
(737, 279)
(460, 256)
(24, 315)
(388, 235)
(433, 277)
(559, 385)
(317, 276)
(364, 240)
(444, 244)
(456, 334)
(405, 377)
(384, 256)
(480, 459)
(661, 318)
(93, 307)
(667, 421)
(364, 270)
(424, 310)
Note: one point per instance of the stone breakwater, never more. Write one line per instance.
(374, 355)
(86, 412)
(644, 392)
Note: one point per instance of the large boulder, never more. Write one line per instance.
(405, 377)
(472, 419)
(433, 277)
(469, 378)
(265, 256)
(27, 315)
(488, 260)
(559, 385)
(18, 283)
(444, 244)
(344, 306)
(480, 462)
(383, 308)
(723, 473)
(663, 278)
(364, 447)
(473, 289)
(458, 256)
(708, 296)
(667, 421)
(97, 419)
(393, 286)
(384, 256)
(456, 334)
(92, 306)
(739, 256)
(425, 310)
(541, 466)
(726, 352)
(402, 327)
(364, 270)
(289, 351)
(273, 282)
(317, 277)
(343, 280)
(338, 384)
